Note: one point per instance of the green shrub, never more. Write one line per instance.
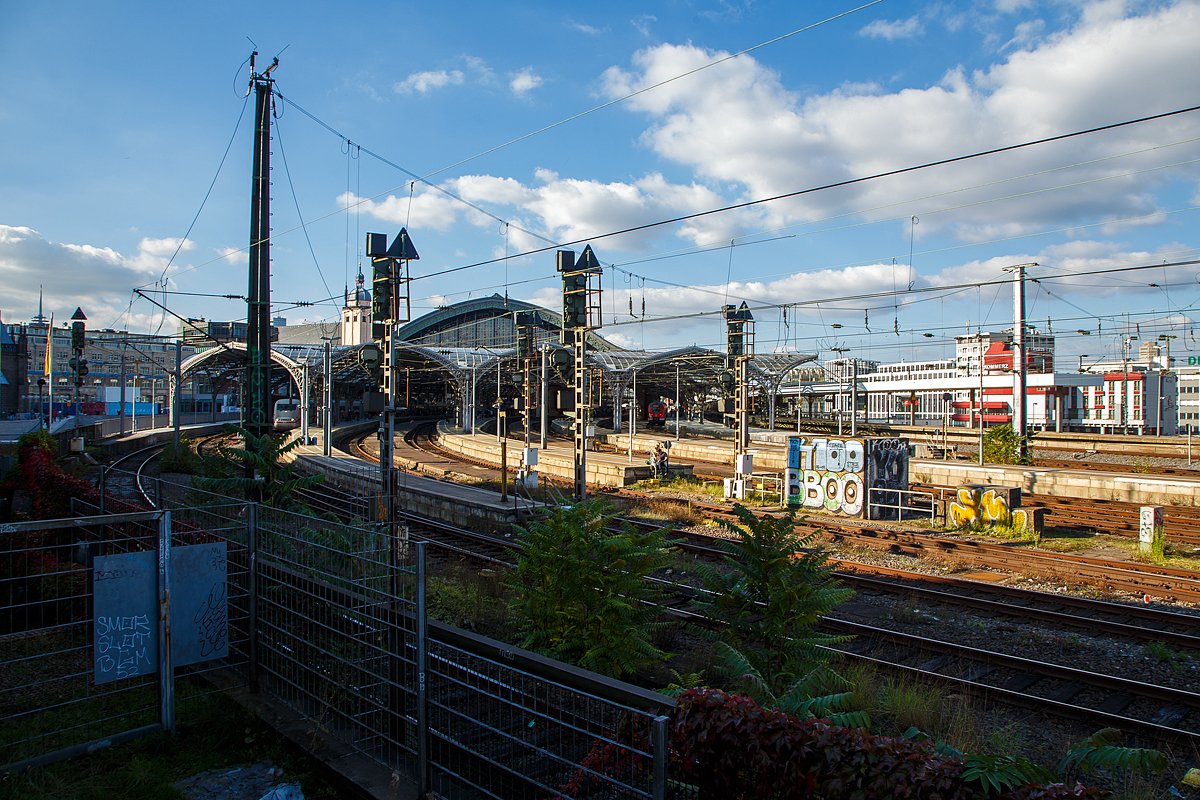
(1001, 445)
(179, 458)
(768, 603)
(581, 589)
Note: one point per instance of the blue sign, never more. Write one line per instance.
(125, 597)
(126, 617)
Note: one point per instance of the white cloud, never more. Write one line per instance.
(524, 81)
(165, 247)
(588, 29)
(233, 255)
(1027, 33)
(424, 209)
(892, 30)
(739, 126)
(564, 209)
(96, 279)
(642, 23)
(426, 81)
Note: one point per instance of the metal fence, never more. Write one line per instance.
(900, 504)
(328, 619)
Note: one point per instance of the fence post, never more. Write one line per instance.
(166, 671)
(101, 482)
(252, 594)
(658, 752)
(158, 492)
(422, 660)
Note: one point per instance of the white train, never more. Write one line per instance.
(287, 415)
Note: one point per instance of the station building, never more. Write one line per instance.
(1137, 396)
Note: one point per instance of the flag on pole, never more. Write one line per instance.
(49, 368)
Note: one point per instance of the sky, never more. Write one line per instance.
(494, 130)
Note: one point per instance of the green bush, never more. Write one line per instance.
(768, 603)
(581, 589)
(179, 458)
(275, 485)
(1001, 445)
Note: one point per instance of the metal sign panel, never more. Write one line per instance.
(126, 620)
(199, 608)
(126, 616)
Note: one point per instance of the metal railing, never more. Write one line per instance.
(329, 620)
(900, 504)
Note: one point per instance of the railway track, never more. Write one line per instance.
(1172, 583)
(1160, 713)
(1067, 612)
(1113, 517)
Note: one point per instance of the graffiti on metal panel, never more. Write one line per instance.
(986, 507)
(825, 473)
(887, 475)
(123, 646)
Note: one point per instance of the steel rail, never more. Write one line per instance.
(1135, 689)
(1106, 626)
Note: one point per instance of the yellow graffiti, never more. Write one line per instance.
(983, 507)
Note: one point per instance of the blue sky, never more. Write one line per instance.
(114, 119)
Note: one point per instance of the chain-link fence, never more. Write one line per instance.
(329, 619)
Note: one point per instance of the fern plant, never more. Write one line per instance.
(581, 588)
(274, 484)
(769, 601)
(1100, 751)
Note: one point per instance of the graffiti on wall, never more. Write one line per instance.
(988, 507)
(833, 474)
(887, 475)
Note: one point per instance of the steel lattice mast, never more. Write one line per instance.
(257, 389)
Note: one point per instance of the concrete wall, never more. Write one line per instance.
(602, 469)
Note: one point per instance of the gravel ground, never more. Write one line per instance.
(1043, 739)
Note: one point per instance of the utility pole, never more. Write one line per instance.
(1019, 365)
(327, 410)
(257, 389)
(123, 379)
(177, 406)
(580, 314)
(543, 395)
(854, 397)
(677, 402)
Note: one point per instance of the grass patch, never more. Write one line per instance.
(215, 732)
(475, 599)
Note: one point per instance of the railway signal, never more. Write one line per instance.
(581, 313)
(78, 363)
(390, 306)
(526, 322)
(739, 349)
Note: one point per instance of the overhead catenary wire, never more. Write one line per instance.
(834, 185)
(750, 203)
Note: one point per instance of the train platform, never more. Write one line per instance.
(711, 442)
(455, 503)
(556, 461)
